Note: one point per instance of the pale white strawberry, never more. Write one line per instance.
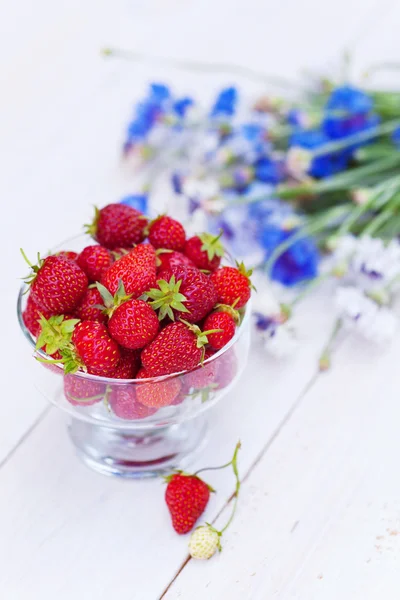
(204, 542)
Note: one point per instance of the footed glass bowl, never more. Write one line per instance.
(118, 426)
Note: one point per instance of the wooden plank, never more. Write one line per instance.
(57, 518)
(319, 514)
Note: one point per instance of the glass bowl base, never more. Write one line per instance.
(140, 454)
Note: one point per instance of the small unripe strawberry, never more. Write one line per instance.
(204, 542)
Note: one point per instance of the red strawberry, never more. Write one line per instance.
(86, 309)
(165, 232)
(123, 403)
(94, 261)
(187, 497)
(195, 293)
(167, 260)
(32, 314)
(220, 320)
(136, 270)
(125, 369)
(117, 225)
(227, 365)
(83, 392)
(57, 284)
(233, 285)
(133, 324)
(98, 352)
(68, 255)
(205, 251)
(176, 348)
(204, 376)
(157, 394)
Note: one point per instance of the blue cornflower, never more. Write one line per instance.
(181, 106)
(268, 170)
(225, 104)
(396, 137)
(325, 165)
(298, 263)
(147, 112)
(353, 108)
(138, 201)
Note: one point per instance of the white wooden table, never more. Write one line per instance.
(319, 514)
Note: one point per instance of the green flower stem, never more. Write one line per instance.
(193, 66)
(237, 488)
(383, 217)
(237, 447)
(360, 137)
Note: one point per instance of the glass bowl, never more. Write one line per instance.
(114, 424)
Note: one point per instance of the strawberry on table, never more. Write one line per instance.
(184, 292)
(88, 307)
(157, 394)
(233, 285)
(117, 225)
(187, 497)
(176, 348)
(136, 270)
(165, 232)
(94, 261)
(57, 284)
(94, 349)
(32, 315)
(205, 251)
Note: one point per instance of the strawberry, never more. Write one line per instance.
(32, 314)
(68, 255)
(165, 232)
(133, 323)
(177, 347)
(204, 376)
(136, 270)
(183, 292)
(187, 497)
(117, 225)
(227, 368)
(233, 285)
(57, 284)
(94, 261)
(88, 307)
(125, 369)
(204, 542)
(205, 251)
(167, 259)
(83, 392)
(123, 403)
(157, 394)
(224, 321)
(94, 349)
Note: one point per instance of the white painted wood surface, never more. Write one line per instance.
(320, 510)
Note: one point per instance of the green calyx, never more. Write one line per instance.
(56, 333)
(212, 245)
(232, 312)
(168, 478)
(246, 272)
(29, 279)
(91, 228)
(161, 251)
(202, 339)
(167, 298)
(111, 303)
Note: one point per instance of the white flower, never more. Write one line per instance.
(362, 315)
(298, 161)
(280, 340)
(375, 260)
(194, 187)
(204, 542)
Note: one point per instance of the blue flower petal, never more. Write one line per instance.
(138, 201)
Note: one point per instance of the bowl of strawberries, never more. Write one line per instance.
(137, 330)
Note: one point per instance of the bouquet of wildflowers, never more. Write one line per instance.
(306, 188)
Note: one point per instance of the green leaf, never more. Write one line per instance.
(106, 295)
